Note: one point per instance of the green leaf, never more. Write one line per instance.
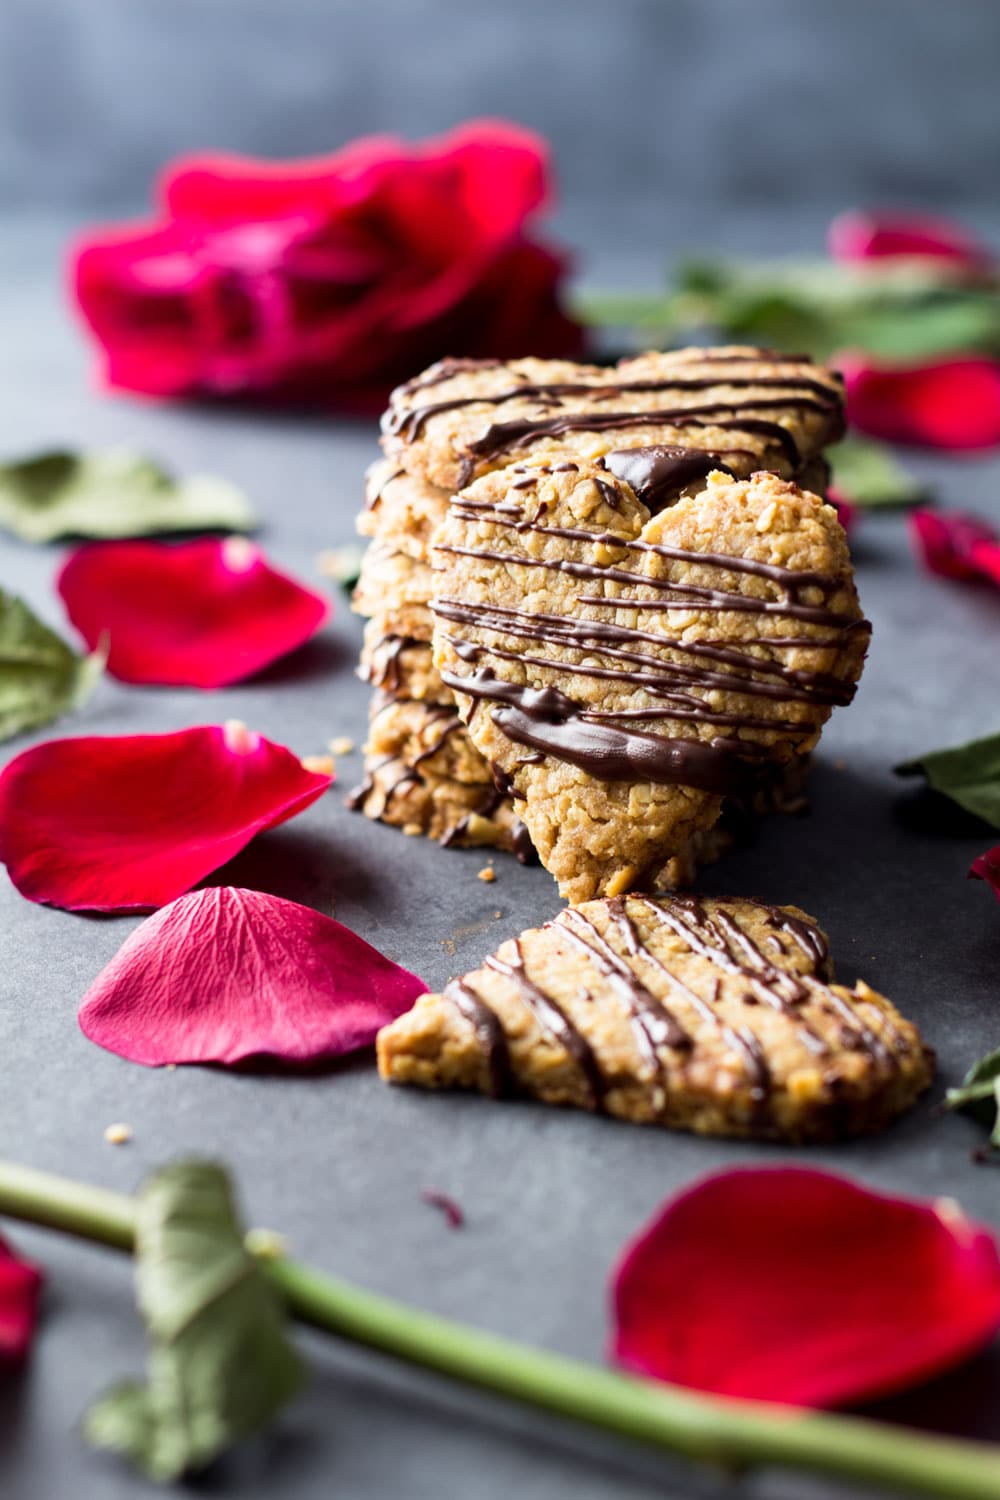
(40, 677)
(112, 494)
(220, 1365)
(979, 1094)
(968, 774)
(868, 474)
(894, 311)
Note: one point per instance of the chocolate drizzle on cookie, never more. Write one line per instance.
(546, 719)
(603, 741)
(620, 956)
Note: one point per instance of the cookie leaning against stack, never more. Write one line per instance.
(733, 410)
(716, 1016)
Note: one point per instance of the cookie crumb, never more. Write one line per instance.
(488, 874)
(343, 564)
(118, 1134)
(321, 764)
(840, 765)
(342, 745)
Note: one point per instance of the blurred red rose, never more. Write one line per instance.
(332, 279)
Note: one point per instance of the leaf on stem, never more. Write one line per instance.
(220, 1364)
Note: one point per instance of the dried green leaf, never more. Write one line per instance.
(112, 494)
(968, 774)
(40, 676)
(220, 1364)
(868, 474)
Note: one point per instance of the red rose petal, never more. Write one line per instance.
(857, 235)
(131, 821)
(953, 403)
(956, 545)
(784, 1284)
(987, 867)
(20, 1290)
(223, 975)
(200, 614)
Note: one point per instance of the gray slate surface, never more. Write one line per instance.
(699, 152)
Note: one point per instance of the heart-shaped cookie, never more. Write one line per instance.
(708, 1015)
(625, 668)
(751, 408)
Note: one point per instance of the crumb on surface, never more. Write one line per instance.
(321, 764)
(118, 1134)
(342, 745)
(488, 874)
(840, 765)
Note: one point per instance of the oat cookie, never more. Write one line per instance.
(745, 409)
(625, 671)
(424, 775)
(401, 510)
(716, 1016)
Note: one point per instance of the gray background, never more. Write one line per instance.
(728, 126)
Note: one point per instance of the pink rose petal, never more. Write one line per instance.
(200, 614)
(131, 821)
(223, 975)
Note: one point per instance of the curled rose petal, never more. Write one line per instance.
(223, 975)
(857, 235)
(987, 867)
(956, 545)
(332, 279)
(797, 1286)
(128, 822)
(951, 403)
(20, 1290)
(202, 614)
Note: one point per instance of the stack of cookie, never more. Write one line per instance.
(561, 457)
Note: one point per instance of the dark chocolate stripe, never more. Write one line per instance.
(547, 720)
(408, 422)
(686, 917)
(690, 596)
(553, 1020)
(741, 1041)
(798, 685)
(506, 437)
(489, 1034)
(652, 1023)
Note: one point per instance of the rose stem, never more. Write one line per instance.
(733, 1433)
